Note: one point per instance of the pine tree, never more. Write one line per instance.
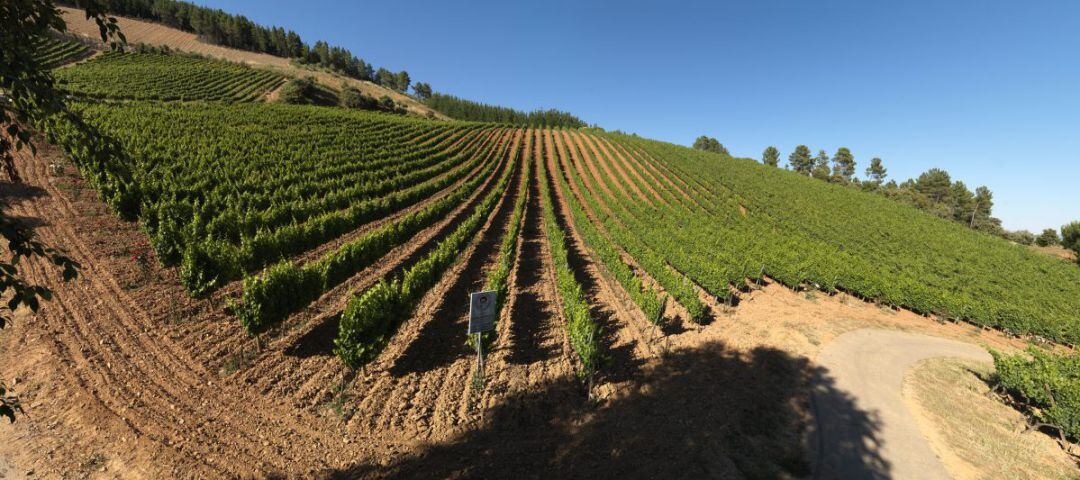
(876, 172)
(771, 156)
(821, 169)
(843, 165)
(800, 160)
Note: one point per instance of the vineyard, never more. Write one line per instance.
(321, 257)
(167, 77)
(55, 52)
(302, 199)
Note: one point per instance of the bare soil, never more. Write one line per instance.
(1056, 251)
(124, 376)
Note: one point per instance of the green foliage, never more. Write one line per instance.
(299, 91)
(936, 193)
(422, 90)
(275, 192)
(645, 298)
(582, 329)
(800, 160)
(740, 218)
(269, 297)
(1047, 383)
(237, 31)
(166, 76)
(52, 52)
(710, 144)
(352, 98)
(876, 172)
(372, 317)
(771, 157)
(821, 169)
(1023, 237)
(1047, 238)
(843, 165)
(462, 109)
(1070, 237)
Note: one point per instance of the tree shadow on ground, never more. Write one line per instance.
(706, 412)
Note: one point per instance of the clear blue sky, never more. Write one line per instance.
(988, 90)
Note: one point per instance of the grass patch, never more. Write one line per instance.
(975, 434)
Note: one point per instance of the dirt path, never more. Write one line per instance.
(870, 365)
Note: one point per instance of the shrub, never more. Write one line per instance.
(1023, 237)
(298, 91)
(1046, 383)
(352, 98)
(1048, 237)
(1070, 238)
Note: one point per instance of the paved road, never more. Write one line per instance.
(863, 428)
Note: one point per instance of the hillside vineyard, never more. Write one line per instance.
(295, 202)
(168, 77)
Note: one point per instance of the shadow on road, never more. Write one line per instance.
(707, 412)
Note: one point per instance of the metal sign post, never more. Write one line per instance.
(481, 319)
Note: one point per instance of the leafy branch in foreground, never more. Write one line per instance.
(30, 103)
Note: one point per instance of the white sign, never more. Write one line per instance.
(481, 312)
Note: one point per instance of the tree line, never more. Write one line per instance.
(933, 191)
(462, 109)
(237, 31)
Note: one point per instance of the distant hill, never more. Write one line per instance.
(139, 31)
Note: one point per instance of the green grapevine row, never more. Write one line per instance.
(630, 239)
(167, 77)
(371, 318)
(52, 52)
(269, 297)
(498, 278)
(646, 299)
(227, 189)
(582, 329)
(805, 233)
(1047, 382)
